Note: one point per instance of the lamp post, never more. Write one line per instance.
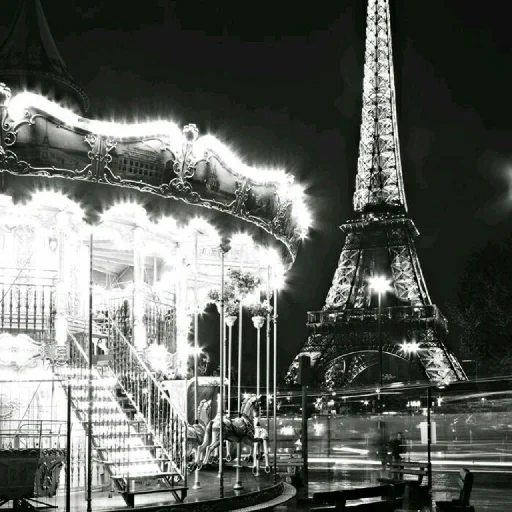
(380, 285)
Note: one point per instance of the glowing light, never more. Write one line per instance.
(158, 357)
(379, 284)
(55, 200)
(294, 193)
(126, 211)
(242, 240)
(208, 143)
(287, 430)
(202, 227)
(166, 225)
(190, 350)
(410, 348)
(318, 428)
(23, 101)
(269, 258)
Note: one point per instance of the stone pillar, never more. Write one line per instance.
(139, 329)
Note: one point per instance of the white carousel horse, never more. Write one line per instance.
(260, 445)
(195, 432)
(239, 429)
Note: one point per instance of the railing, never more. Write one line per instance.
(387, 313)
(162, 418)
(110, 426)
(22, 434)
(27, 307)
(159, 320)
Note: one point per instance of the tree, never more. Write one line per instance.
(482, 312)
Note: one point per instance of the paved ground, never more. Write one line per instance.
(491, 491)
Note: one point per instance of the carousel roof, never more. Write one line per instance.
(30, 55)
(42, 138)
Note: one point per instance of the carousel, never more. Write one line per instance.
(106, 378)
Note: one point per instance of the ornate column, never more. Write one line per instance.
(182, 317)
(63, 227)
(139, 329)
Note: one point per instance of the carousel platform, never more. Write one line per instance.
(259, 493)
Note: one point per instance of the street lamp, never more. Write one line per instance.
(380, 285)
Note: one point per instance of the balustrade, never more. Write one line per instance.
(428, 312)
(150, 399)
(159, 320)
(27, 307)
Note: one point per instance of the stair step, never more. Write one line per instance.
(115, 446)
(130, 461)
(134, 476)
(128, 448)
(158, 489)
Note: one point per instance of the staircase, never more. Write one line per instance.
(142, 445)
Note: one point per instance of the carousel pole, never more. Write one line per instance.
(224, 362)
(268, 348)
(197, 484)
(230, 321)
(274, 430)
(89, 393)
(223, 250)
(238, 481)
(258, 322)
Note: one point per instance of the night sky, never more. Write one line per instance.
(281, 83)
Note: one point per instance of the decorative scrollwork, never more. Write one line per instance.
(184, 166)
(207, 178)
(108, 176)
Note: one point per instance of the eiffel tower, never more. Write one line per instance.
(344, 338)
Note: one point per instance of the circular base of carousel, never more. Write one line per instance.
(258, 493)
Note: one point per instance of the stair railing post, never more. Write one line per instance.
(68, 451)
(89, 388)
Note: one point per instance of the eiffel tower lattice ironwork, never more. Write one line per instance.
(343, 339)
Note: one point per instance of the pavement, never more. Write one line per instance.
(491, 490)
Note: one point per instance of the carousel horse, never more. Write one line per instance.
(239, 429)
(195, 433)
(260, 447)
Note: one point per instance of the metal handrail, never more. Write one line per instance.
(147, 370)
(162, 395)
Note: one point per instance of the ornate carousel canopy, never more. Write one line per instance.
(42, 138)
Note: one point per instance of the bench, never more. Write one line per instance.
(399, 468)
(337, 500)
(288, 462)
(465, 481)
(409, 492)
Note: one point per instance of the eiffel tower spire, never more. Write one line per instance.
(29, 59)
(344, 340)
(379, 182)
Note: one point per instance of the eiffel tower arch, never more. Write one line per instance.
(344, 338)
